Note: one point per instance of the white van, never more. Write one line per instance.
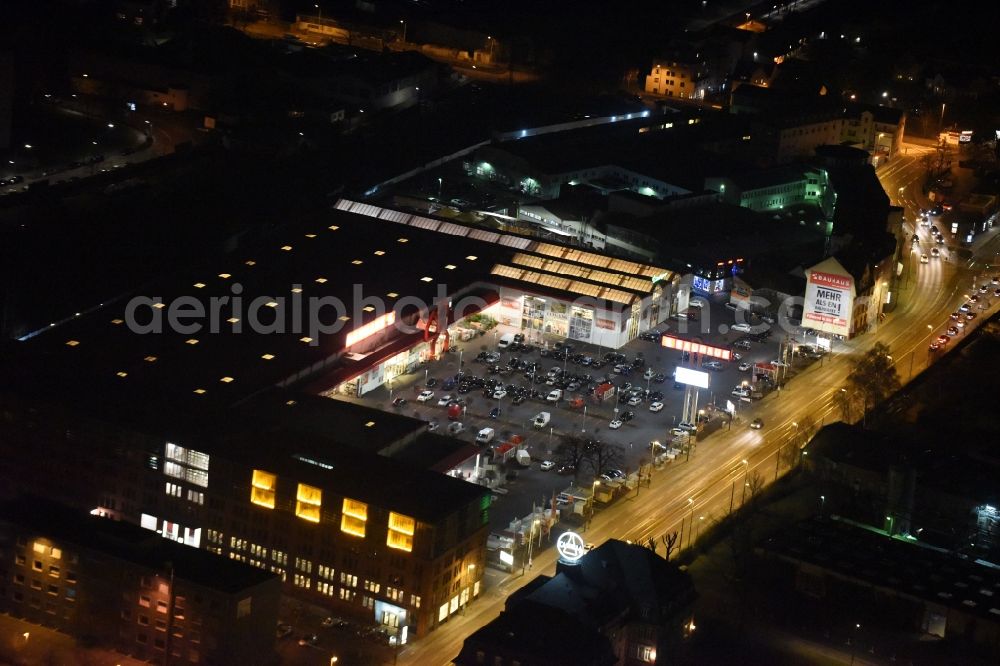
(506, 340)
(485, 436)
(542, 419)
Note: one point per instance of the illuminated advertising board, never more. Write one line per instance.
(371, 328)
(691, 377)
(670, 342)
(707, 286)
(829, 303)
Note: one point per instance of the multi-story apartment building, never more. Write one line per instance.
(675, 79)
(119, 586)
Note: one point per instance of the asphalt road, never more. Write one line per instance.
(703, 490)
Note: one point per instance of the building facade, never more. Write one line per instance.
(118, 586)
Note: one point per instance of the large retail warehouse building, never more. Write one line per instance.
(201, 432)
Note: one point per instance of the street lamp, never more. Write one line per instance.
(822, 504)
(403, 23)
(320, 10)
(583, 424)
(691, 528)
(333, 660)
(746, 471)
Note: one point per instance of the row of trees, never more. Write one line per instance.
(872, 379)
(593, 454)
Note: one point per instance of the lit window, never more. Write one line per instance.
(150, 359)
(286, 248)
(401, 529)
(426, 279)
(355, 514)
(262, 488)
(321, 280)
(72, 343)
(267, 357)
(226, 380)
(191, 341)
(225, 276)
(379, 253)
(199, 285)
(308, 501)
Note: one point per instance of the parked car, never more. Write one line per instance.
(455, 428)
(546, 465)
(444, 400)
(554, 396)
(398, 402)
(425, 396)
(656, 406)
(614, 425)
(741, 327)
(744, 367)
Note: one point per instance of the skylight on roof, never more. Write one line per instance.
(150, 359)
(426, 279)
(333, 227)
(290, 402)
(368, 308)
(233, 320)
(392, 294)
(321, 280)
(199, 285)
(250, 262)
(357, 262)
(310, 235)
(159, 306)
(306, 339)
(225, 276)
(472, 257)
(369, 424)
(267, 357)
(117, 322)
(450, 267)
(286, 248)
(72, 343)
(191, 341)
(122, 373)
(226, 380)
(199, 391)
(271, 304)
(403, 240)
(344, 318)
(296, 290)
(379, 253)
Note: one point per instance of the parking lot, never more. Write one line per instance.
(498, 379)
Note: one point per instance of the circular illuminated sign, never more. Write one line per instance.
(570, 546)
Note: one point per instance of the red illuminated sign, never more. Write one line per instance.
(670, 342)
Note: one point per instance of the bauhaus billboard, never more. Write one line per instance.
(829, 301)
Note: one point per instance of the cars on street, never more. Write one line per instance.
(546, 465)
(455, 428)
(757, 424)
(741, 327)
(398, 402)
(432, 426)
(744, 367)
(924, 258)
(935, 252)
(495, 413)
(425, 396)
(431, 382)
(308, 639)
(444, 400)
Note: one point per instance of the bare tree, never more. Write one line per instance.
(572, 451)
(602, 456)
(651, 544)
(873, 378)
(670, 541)
(755, 484)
